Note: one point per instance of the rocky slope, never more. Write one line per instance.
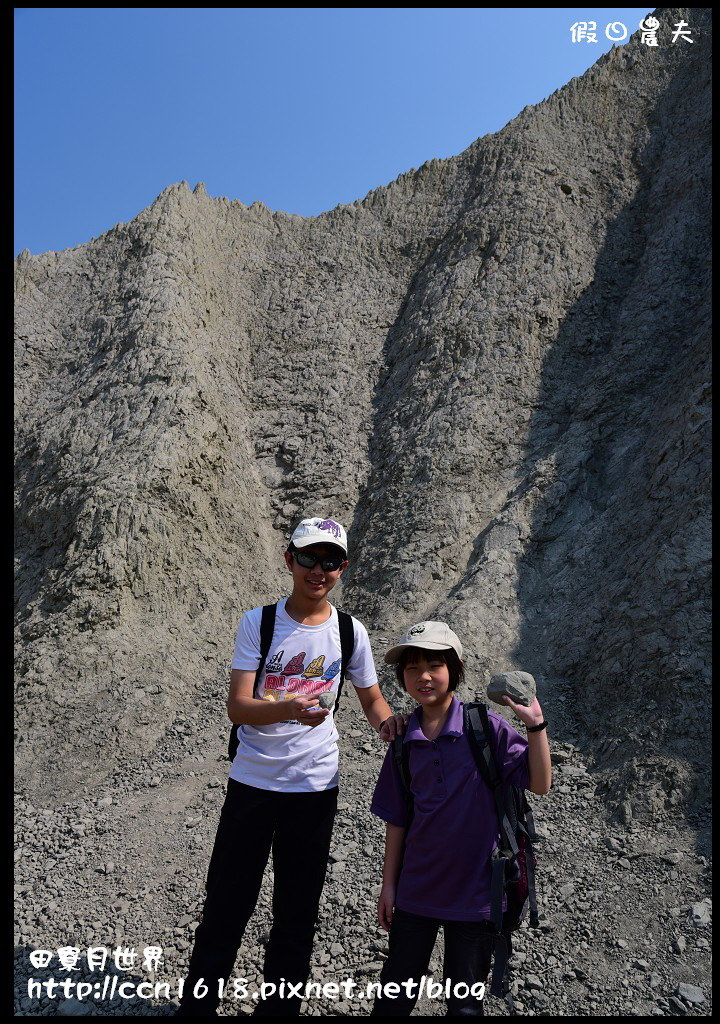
(495, 371)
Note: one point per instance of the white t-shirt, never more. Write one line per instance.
(302, 660)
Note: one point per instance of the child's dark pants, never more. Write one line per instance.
(468, 952)
(297, 827)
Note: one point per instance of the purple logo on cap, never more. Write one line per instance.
(328, 524)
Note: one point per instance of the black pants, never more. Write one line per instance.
(468, 952)
(297, 827)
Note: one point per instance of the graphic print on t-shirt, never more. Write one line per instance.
(275, 663)
(332, 670)
(294, 681)
(295, 666)
(314, 669)
(274, 685)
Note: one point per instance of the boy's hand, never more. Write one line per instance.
(392, 727)
(386, 902)
(307, 711)
(530, 715)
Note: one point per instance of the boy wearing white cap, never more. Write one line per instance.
(283, 786)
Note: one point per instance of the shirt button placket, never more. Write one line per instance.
(436, 762)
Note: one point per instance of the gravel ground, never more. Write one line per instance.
(625, 907)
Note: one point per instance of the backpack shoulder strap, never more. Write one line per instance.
(267, 628)
(516, 831)
(401, 756)
(402, 761)
(347, 646)
(477, 728)
(479, 733)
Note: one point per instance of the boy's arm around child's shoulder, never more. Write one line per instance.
(539, 766)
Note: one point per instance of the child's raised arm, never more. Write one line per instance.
(539, 766)
(394, 839)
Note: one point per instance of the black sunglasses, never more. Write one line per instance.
(329, 563)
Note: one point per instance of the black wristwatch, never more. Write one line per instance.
(537, 728)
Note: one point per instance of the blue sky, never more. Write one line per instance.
(302, 108)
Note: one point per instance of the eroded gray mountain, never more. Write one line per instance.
(494, 370)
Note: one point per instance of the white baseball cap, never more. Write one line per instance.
(433, 636)
(319, 531)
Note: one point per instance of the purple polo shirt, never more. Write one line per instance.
(446, 867)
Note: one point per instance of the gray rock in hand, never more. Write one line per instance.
(519, 686)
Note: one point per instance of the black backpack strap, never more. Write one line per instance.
(499, 864)
(534, 919)
(529, 821)
(531, 837)
(479, 733)
(401, 756)
(503, 950)
(402, 761)
(347, 646)
(517, 829)
(267, 628)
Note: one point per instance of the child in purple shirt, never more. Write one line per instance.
(439, 872)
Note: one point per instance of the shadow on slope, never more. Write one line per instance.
(614, 584)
